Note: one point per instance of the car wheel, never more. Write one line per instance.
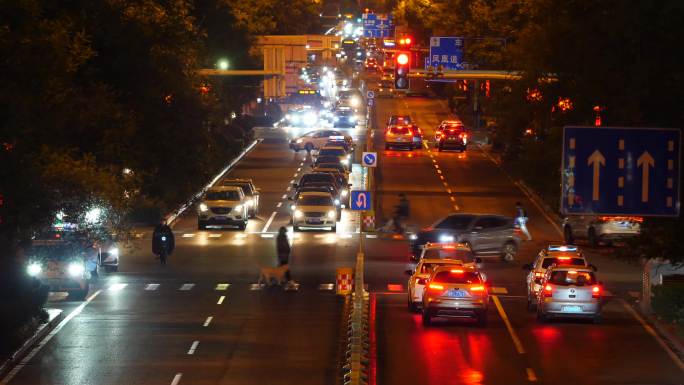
(201, 225)
(308, 147)
(427, 319)
(567, 234)
(508, 252)
(243, 225)
(333, 229)
(592, 238)
(482, 319)
(412, 306)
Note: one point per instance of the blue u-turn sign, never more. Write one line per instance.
(360, 200)
(621, 171)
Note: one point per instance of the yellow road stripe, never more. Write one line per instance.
(514, 336)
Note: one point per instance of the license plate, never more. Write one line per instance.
(315, 221)
(571, 309)
(455, 293)
(625, 225)
(220, 218)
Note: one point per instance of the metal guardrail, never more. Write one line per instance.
(173, 216)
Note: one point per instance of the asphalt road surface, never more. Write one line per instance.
(201, 319)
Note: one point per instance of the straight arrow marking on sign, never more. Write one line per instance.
(645, 161)
(597, 159)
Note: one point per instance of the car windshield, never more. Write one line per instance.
(231, 195)
(454, 253)
(57, 251)
(453, 132)
(402, 119)
(460, 276)
(572, 277)
(327, 159)
(455, 222)
(427, 267)
(562, 261)
(335, 166)
(308, 178)
(332, 151)
(315, 200)
(246, 187)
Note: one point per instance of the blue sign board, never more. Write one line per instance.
(375, 25)
(620, 171)
(360, 200)
(369, 159)
(446, 52)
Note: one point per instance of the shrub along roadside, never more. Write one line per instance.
(668, 304)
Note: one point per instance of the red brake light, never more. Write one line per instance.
(548, 291)
(434, 286)
(477, 288)
(402, 59)
(563, 258)
(538, 274)
(596, 292)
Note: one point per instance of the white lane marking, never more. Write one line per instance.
(292, 181)
(270, 219)
(531, 376)
(267, 235)
(677, 361)
(222, 286)
(193, 347)
(220, 300)
(256, 286)
(208, 321)
(371, 236)
(279, 204)
(215, 235)
(240, 236)
(284, 196)
(321, 236)
(47, 339)
(295, 175)
(299, 169)
(326, 286)
(449, 190)
(288, 188)
(346, 235)
(514, 336)
(176, 379)
(187, 286)
(152, 286)
(117, 286)
(188, 235)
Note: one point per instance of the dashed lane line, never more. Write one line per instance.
(187, 286)
(270, 219)
(279, 204)
(207, 321)
(514, 336)
(531, 376)
(221, 286)
(176, 379)
(193, 347)
(152, 286)
(220, 300)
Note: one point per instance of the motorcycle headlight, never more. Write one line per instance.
(75, 269)
(114, 251)
(203, 207)
(344, 192)
(337, 202)
(298, 214)
(332, 214)
(33, 269)
(446, 238)
(237, 208)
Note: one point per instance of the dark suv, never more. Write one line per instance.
(453, 138)
(486, 234)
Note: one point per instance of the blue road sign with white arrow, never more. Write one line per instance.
(360, 200)
(369, 159)
(620, 171)
(375, 25)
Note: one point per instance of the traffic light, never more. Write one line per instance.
(401, 71)
(406, 41)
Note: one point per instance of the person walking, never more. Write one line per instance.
(521, 219)
(283, 251)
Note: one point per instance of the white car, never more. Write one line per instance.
(314, 210)
(223, 205)
(416, 282)
(315, 140)
(598, 229)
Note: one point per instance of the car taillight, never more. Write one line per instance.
(548, 291)
(596, 292)
(435, 287)
(538, 274)
(479, 288)
(462, 136)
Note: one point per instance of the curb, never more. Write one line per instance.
(55, 316)
(675, 343)
(174, 215)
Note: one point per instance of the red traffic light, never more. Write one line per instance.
(407, 41)
(402, 59)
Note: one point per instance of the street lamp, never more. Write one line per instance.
(223, 64)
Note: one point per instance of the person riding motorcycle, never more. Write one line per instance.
(163, 241)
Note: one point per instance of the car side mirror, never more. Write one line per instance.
(593, 267)
(527, 266)
(408, 272)
(422, 281)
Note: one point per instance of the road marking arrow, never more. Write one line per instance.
(597, 159)
(645, 161)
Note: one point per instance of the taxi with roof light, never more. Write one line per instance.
(455, 292)
(419, 276)
(561, 255)
(447, 125)
(569, 292)
(449, 250)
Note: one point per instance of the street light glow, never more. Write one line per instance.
(223, 64)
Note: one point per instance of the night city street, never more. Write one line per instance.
(338, 192)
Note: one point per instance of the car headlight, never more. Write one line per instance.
(75, 269)
(336, 119)
(114, 251)
(352, 119)
(300, 140)
(288, 116)
(355, 102)
(332, 214)
(345, 161)
(446, 238)
(310, 119)
(413, 237)
(237, 208)
(298, 214)
(295, 119)
(337, 202)
(33, 269)
(344, 192)
(203, 207)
